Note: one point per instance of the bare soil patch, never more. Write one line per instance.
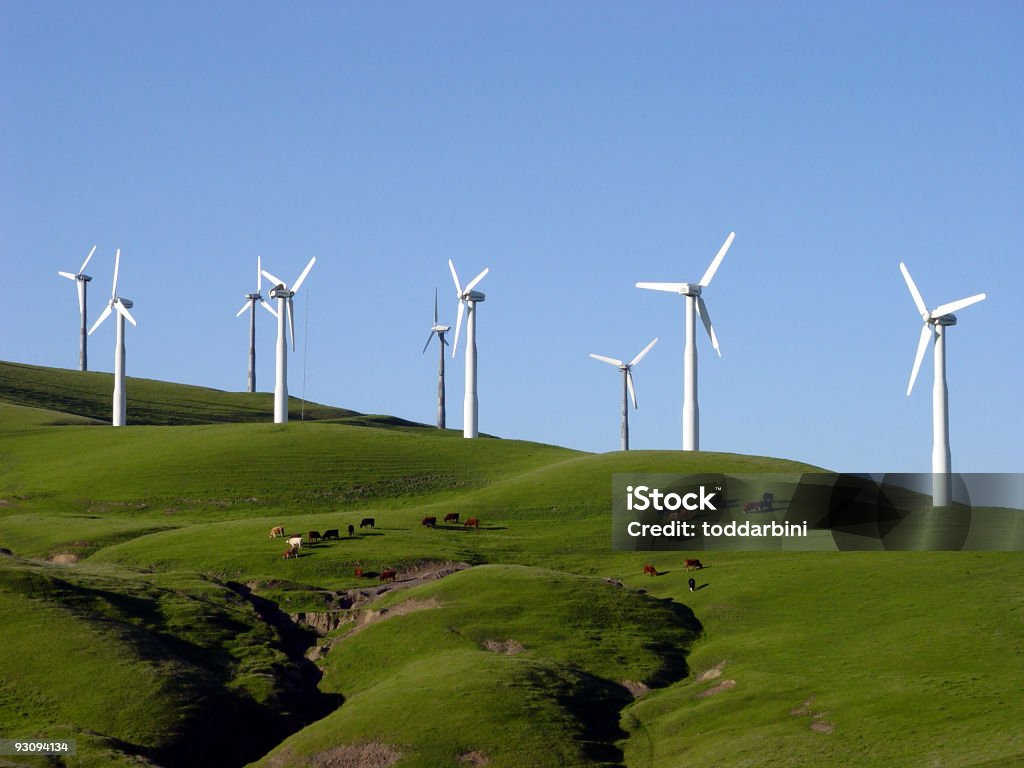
(64, 558)
(722, 686)
(474, 758)
(822, 726)
(508, 647)
(371, 755)
(711, 673)
(636, 690)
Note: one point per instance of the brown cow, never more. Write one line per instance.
(451, 517)
(650, 570)
(359, 572)
(291, 552)
(331, 534)
(277, 530)
(367, 522)
(313, 536)
(693, 565)
(472, 523)
(429, 522)
(388, 574)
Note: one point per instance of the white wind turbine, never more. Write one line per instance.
(439, 331)
(627, 386)
(694, 304)
(82, 280)
(121, 306)
(250, 303)
(935, 323)
(285, 316)
(468, 299)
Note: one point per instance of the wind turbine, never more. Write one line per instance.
(82, 280)
(250, 304)
(285, 316)
(627, 386)
(440, 331)
(121, 306)
(935, 323)
(694, 302)
(468, 299)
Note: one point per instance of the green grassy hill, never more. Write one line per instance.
(551, 650)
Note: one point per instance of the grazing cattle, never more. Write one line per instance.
(367, 522)
(650, 570)
(359, 572)
(429, 522)
(295, 541)
(331, 534)
(351, 530)
(291, 552)
(472, 523)
(693, 565)
(693, 584)
(388, 574)
(277, 530)
(451, 517)
(314, 536)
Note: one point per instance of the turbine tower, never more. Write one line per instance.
(694, 304)
(285, 316)
(82, 280)
(440, 331)
(936, 321)
(627, 386)
(468, 299)
(121, 306)
(250, 304)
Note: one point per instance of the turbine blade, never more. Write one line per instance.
(458, 326)
(629, 384)
(302, 277)
(244, 307)
(955, 306)
(68, 275)
(609, 360)
(123, 311)
(458, 285)
(702, 310)
(914, 293)
(706, 280)
(641, 356)
(290, 310)
(477, 279)
(435, 306)
(276, 281)
(99, 320)
(81, 296)
(117, 266)
(259, 274)
(267, 307)
(81, 269)
(922, 345)
(668, 287)
(431, 336)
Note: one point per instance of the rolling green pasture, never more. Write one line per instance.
(168, 643)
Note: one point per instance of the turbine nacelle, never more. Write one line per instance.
(474, 296)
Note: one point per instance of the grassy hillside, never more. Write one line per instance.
(89, 394)
(551, 650)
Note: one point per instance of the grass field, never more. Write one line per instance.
(171, 641)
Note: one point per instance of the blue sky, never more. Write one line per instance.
(573, 148)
